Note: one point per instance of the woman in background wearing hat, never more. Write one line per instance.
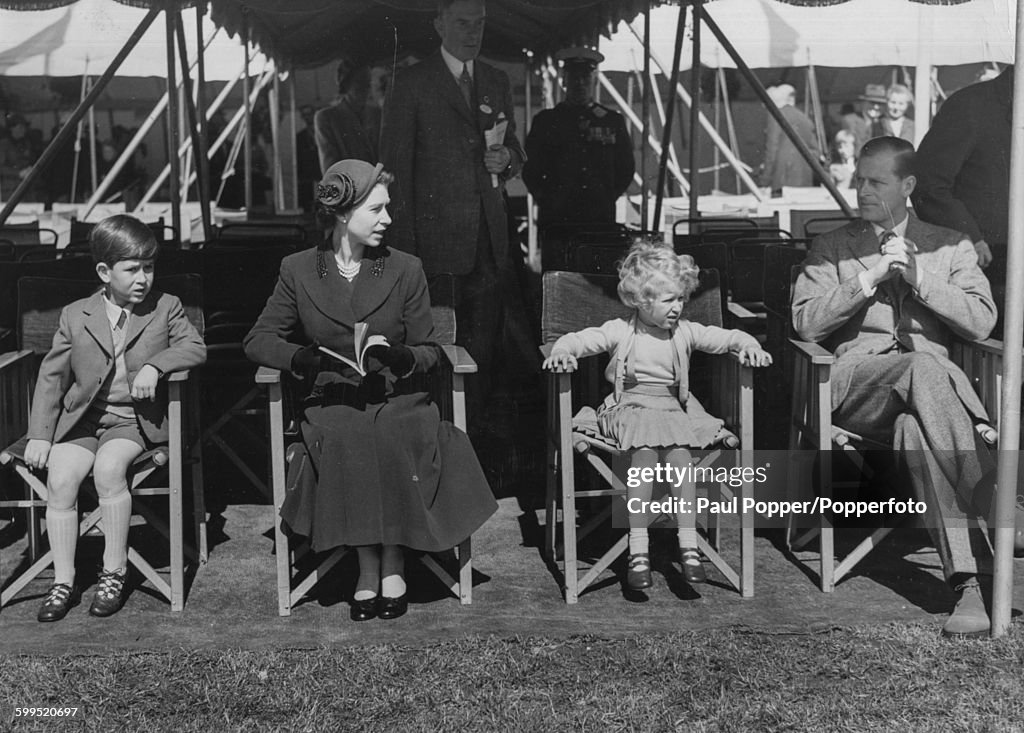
(386, 472)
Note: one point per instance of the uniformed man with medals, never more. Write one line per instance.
(579, 154)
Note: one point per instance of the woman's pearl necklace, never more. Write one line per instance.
(349, 272)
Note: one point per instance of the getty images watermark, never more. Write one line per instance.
(777, 488)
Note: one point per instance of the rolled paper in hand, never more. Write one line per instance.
(495, 136)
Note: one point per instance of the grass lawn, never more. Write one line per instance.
(892, 678)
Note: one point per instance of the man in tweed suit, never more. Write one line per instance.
(889, 307)
(449, 207)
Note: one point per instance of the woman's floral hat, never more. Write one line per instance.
(347, 183)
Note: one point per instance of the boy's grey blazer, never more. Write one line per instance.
(829, 305)
(82, 357)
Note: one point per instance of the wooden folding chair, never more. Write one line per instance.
(811, 427)
(261, 234)
(573, 301)
(234, 408)
(41, 300)
(447, 384)
(830, 218)
(29, 234)
(555, 239)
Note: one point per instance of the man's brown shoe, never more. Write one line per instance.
(969, 617)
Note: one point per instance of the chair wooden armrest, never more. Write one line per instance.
(990, 346)
(736, 310)
(814, 353)
(178, 376)
(459, 358)
(266, 375)
(12, 358)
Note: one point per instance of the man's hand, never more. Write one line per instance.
(984, 253)
(911, 275)
(144, 386)
(561, 361)
(497, 158)
(896, 251)
(37, 453)
(755, 356)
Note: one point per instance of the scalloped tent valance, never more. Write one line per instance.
(50, 4)
(312, 32)
(304, 33)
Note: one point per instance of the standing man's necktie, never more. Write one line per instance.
(122, 319)
(466, 85)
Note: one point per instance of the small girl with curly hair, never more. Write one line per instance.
(651, 413)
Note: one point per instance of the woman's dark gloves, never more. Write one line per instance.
(306, 359)
(397, 357)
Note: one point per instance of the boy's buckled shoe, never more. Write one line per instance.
(638, 571)
(59, 600)
(110, 593)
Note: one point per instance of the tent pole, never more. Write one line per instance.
(716, 182)
(147, 197)
(741, 169)
(818, 112)
(662, 117)
(78, 141)
(666, 129)
(1013, 329)
(203, 127)
(645, 108)
(93, 170)
(295, 204)
(755, 83)
(531, 221)
(734, 145)
(198, 139)
(173, 132)
(923, 76)
(61, 137)
(631, 116)
(694, 105)
(247, 106)
(274, 107)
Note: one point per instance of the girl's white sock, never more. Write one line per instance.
(687, 536)
(638, 542)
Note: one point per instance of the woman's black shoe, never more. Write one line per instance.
(363, 610)
(393, 607)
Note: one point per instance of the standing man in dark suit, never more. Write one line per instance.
(349, 128)
(449, 138)
(888, 294)
(783, 164)
(580, 153)
(964, 171)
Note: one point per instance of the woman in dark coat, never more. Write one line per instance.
(387, 473)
